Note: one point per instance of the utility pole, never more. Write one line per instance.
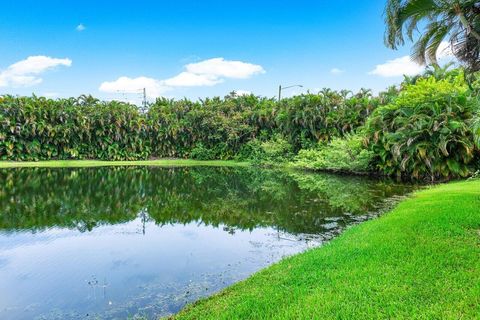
(144, 100)
(138, 94)
(280, 88)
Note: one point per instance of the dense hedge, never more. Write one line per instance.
(34, 128)
(40, 129)
(305, 119)
(426, 129)
(426, 133)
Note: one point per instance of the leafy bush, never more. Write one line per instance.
(341, 154)
(429, 129)
(39, 128)
(475, 175)
(476, 128)
(273, 151)
(34, 128)
(476, 139)
(219, 125)
(308, 119)
(424, 133)
(199, 152)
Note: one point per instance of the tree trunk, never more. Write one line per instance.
(466, 25)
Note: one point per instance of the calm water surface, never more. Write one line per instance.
(113, 243)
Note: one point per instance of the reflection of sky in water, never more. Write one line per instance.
(117, 270)
(117, 242)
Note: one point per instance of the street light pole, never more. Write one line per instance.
(280, 88)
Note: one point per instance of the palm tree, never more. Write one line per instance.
(441, 72)
(85, 100)
(364, 93)
(387, 96)
(457, 21)
(345, 93)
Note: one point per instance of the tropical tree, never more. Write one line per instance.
(455, 21)
(476, 128)
(435, 71)
(425, 133)
(442, 72)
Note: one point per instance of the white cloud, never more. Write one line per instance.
(154, 88)
(220, 67)
(80, 27)
(405, 66)
(187, 79)
(336, 71)
(397, 68)
(444, 51)
(200, 74)
(26, 72)
(213, 71)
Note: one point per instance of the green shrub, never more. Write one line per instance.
(476, 128)
(341, 154)
(430, 129)
(199, 152)
(34, 128)
(273, 151)
(307, 119)
(39, 128)
(221, 126)
(424, 133)
(476, 138)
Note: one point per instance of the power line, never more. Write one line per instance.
(140, 93)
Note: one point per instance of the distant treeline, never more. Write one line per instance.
(427, 128)
(36, 128)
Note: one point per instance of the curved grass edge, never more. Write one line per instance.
(419, 261)
(99, 163)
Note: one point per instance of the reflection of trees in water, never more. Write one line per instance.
(83, 198)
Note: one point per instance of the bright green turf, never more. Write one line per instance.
(97, 163)
(420, 261)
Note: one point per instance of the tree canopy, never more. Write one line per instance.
(436, 21)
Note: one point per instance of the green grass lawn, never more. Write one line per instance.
(420, 261)
(97, 163)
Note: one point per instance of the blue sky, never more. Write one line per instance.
(174, 47)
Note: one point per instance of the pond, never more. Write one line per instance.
(115, 243)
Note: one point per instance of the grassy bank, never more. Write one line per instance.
(97, 163)
(422, 260)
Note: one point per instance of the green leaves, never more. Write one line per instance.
(430, 130)
(40, 129)
(476, 128)
(435, 21)
(425, 133)
(308, 119)
(341, 154)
